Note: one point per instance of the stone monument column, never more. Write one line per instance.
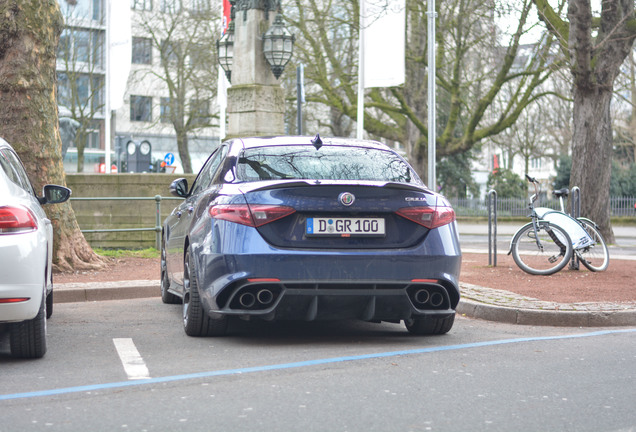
(256, 101)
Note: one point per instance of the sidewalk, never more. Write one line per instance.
(476, 302)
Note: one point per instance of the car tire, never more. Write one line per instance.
(430, 325)
(28, 338)
(166, 296)
(195, 321)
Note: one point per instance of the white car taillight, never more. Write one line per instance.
(16, 220)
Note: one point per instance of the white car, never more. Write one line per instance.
(26, 249)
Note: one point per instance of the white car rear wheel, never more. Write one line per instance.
(28, 338)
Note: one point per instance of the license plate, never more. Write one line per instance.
(345, 227)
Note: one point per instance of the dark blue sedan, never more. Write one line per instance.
(300, 228)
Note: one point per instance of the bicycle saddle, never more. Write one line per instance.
(561, 192)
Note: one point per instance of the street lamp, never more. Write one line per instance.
(278, 46)
(225, 48)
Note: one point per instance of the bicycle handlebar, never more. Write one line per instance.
(535, 183)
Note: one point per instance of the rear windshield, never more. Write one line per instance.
(327, 163)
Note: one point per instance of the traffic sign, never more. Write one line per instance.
(168, 158)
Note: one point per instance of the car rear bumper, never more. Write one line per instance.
(364, 300)
(22, 276)
(317, 285)
(20, 310)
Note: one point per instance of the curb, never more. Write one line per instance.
(477, 302)
(541, 317)
(503, 306)
(99, 291)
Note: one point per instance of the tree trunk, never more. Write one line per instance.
(184, 154)
(29, 33)
(595, 62)
(592, 155)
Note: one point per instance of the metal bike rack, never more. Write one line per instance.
(576, 213)
(492, 228)
(576, 202)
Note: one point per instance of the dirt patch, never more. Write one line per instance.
(616, 284)
(119, 269)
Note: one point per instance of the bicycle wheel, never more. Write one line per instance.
(550, 255)
(595, 257)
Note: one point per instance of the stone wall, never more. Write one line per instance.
(122, 213)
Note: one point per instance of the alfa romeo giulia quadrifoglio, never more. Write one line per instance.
(302, 228)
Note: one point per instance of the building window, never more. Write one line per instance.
(200, 6)
(140, 108)
(141, 50)
(80, 46)
(82, 90)
(82, 9)
(142, 5)
(198, 56)
(170, 6)
(165, 110)
(92, 136)
(200, 112)
(169, 52)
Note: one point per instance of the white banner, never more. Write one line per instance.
(384, 24)
(120, 50)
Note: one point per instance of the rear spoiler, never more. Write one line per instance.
(278, 184)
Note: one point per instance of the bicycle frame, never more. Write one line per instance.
(545, 216)
(535, 220)
(562, 236)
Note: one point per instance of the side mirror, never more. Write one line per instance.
(54, 194)
(179, 188)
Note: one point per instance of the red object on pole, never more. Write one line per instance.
(227, 8)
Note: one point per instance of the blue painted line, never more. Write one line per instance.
(294, 365)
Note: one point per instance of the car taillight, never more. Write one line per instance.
(14, 300)
(430, 217)
(254, 215)
(16, 220)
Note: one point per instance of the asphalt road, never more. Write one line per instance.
(127, 365)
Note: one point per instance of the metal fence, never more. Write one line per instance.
(157, 228)
(511, 207)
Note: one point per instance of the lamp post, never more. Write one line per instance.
(225, 50)
(278, 46)
(255, 60)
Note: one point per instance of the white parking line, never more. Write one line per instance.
(133, 363)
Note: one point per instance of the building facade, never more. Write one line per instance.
(159, 58)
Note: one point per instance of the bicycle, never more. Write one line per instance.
(546, 244)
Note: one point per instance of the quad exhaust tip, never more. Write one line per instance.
(247, 300)
(426, 297)
(252, 299)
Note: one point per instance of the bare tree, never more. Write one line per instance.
(29, 33)
(81, 82)
(527, 139)
(475, 69)
(625, 113)
(596, 47)
(185, 36)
